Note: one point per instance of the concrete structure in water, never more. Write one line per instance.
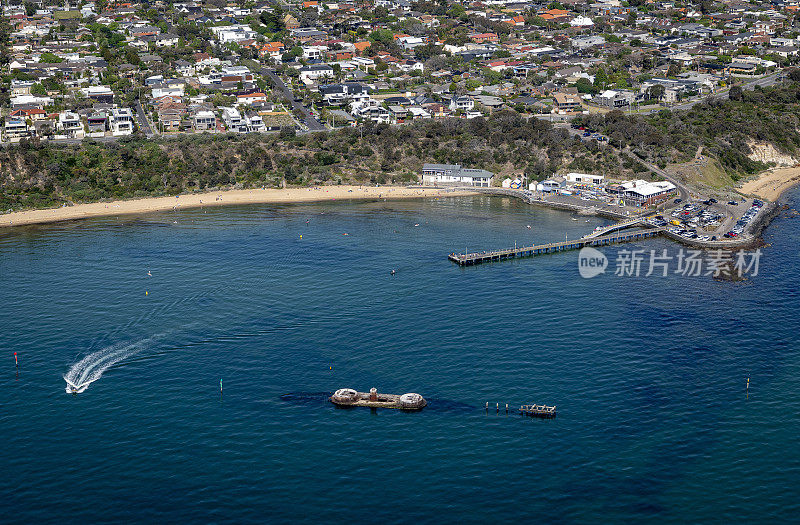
(347, 397)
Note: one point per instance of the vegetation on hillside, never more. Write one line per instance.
(724, 128)
(37, 175)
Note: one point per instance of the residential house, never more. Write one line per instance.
(233, 33)
(371, 110)
(15, 129)
(566, 102)
(21, 87)
(309, 74)
(70, 124)
(121, 121)
(97, 122)
(252, 99)
(614, 99)
(461, 103)
(204, 120)
(339, 94)
(254, 123)
(233, 120)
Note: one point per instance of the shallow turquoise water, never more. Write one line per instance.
(648, 374)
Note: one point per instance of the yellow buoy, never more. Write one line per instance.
(146, 293)
(301, 236)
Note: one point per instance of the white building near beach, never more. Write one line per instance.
(455, 175)
(585, 177)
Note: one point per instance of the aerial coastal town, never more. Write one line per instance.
(103, 71)
(106, 69)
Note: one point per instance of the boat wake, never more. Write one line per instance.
(91, 368)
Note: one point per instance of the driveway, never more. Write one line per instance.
(144, 124)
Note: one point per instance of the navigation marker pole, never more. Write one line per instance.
(16, 362)
(220, 386)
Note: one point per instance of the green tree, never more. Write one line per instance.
(600, 79)
(273, 20)
(38, 89)
(674, 70)
(584, 86)
(50, 58)
(655, 92)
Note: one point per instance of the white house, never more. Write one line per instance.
(254, 123)
(15, 129)
(314, 52)
(252, 98)
(338, 94)
(614, 99)
(234, 33)
(410, 42)
(204, 120)
(585, 42)
(121, 121)
(371, 110)
(462, 103)
(233, 120)
(308, 74)
(70, 124)
(581, 21)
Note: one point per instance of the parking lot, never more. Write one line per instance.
(708, 220)
(587, 134)
(589, 198)
(745, 220)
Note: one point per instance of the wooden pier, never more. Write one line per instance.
(538, 410)
(468, 259)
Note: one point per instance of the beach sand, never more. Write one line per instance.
(220, 198)
(770, 184)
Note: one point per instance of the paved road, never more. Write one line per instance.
(144, 125)
(312, 123)
(110, 138)
(766, 81)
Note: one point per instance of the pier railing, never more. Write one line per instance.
(468, 259)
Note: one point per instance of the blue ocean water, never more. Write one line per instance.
(648, 374)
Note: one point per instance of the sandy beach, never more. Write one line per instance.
(770, 184)
(220, 198)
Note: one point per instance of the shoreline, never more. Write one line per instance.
(228, 197)
(771, 184)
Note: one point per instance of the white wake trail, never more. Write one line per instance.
(91, 368)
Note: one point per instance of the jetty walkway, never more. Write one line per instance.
(468, 259)
(621, 225)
